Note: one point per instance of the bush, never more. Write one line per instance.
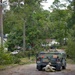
(71, 49)
(16, 60)
(7, 58)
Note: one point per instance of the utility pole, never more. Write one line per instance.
(24, 35)
(24, 44)
(1, 24)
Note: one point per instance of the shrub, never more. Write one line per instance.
(7, 58)
(71, 49)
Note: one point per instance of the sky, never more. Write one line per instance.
(47, 4)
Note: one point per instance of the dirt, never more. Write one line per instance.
(31, 70)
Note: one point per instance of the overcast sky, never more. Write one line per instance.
(47, 4)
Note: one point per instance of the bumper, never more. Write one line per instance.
(42, 64)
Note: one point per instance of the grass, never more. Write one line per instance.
(23, 62)
(3, 67)
(70, 61)
(27, 60)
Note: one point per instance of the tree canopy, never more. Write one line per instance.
(39, 23)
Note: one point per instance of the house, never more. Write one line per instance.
(6, 6)
(50, 42)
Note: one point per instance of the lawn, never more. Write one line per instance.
(23, 62)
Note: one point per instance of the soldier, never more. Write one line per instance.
(49, 68)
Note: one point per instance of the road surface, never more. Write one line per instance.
(31, 70)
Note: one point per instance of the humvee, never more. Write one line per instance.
(56, 58)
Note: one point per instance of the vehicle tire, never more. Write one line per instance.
(64, 64)
(63, 67)
(58, 67)
(39, 68)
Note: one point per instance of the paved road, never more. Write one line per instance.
(31, 70)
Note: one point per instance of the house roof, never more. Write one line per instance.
(49, 40)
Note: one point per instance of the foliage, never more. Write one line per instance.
(71, 48)
(5, 58)
(59, 21)
(33, 19)
(15, 40)
(39, 24)
(71, 29)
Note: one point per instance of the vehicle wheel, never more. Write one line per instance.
(58, 67)
(63, 67)
(39, 68)
(64, 64)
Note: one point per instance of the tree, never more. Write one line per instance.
(59, 21)
(14, 23)
(71, 29)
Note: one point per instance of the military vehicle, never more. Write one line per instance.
(57, 58)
